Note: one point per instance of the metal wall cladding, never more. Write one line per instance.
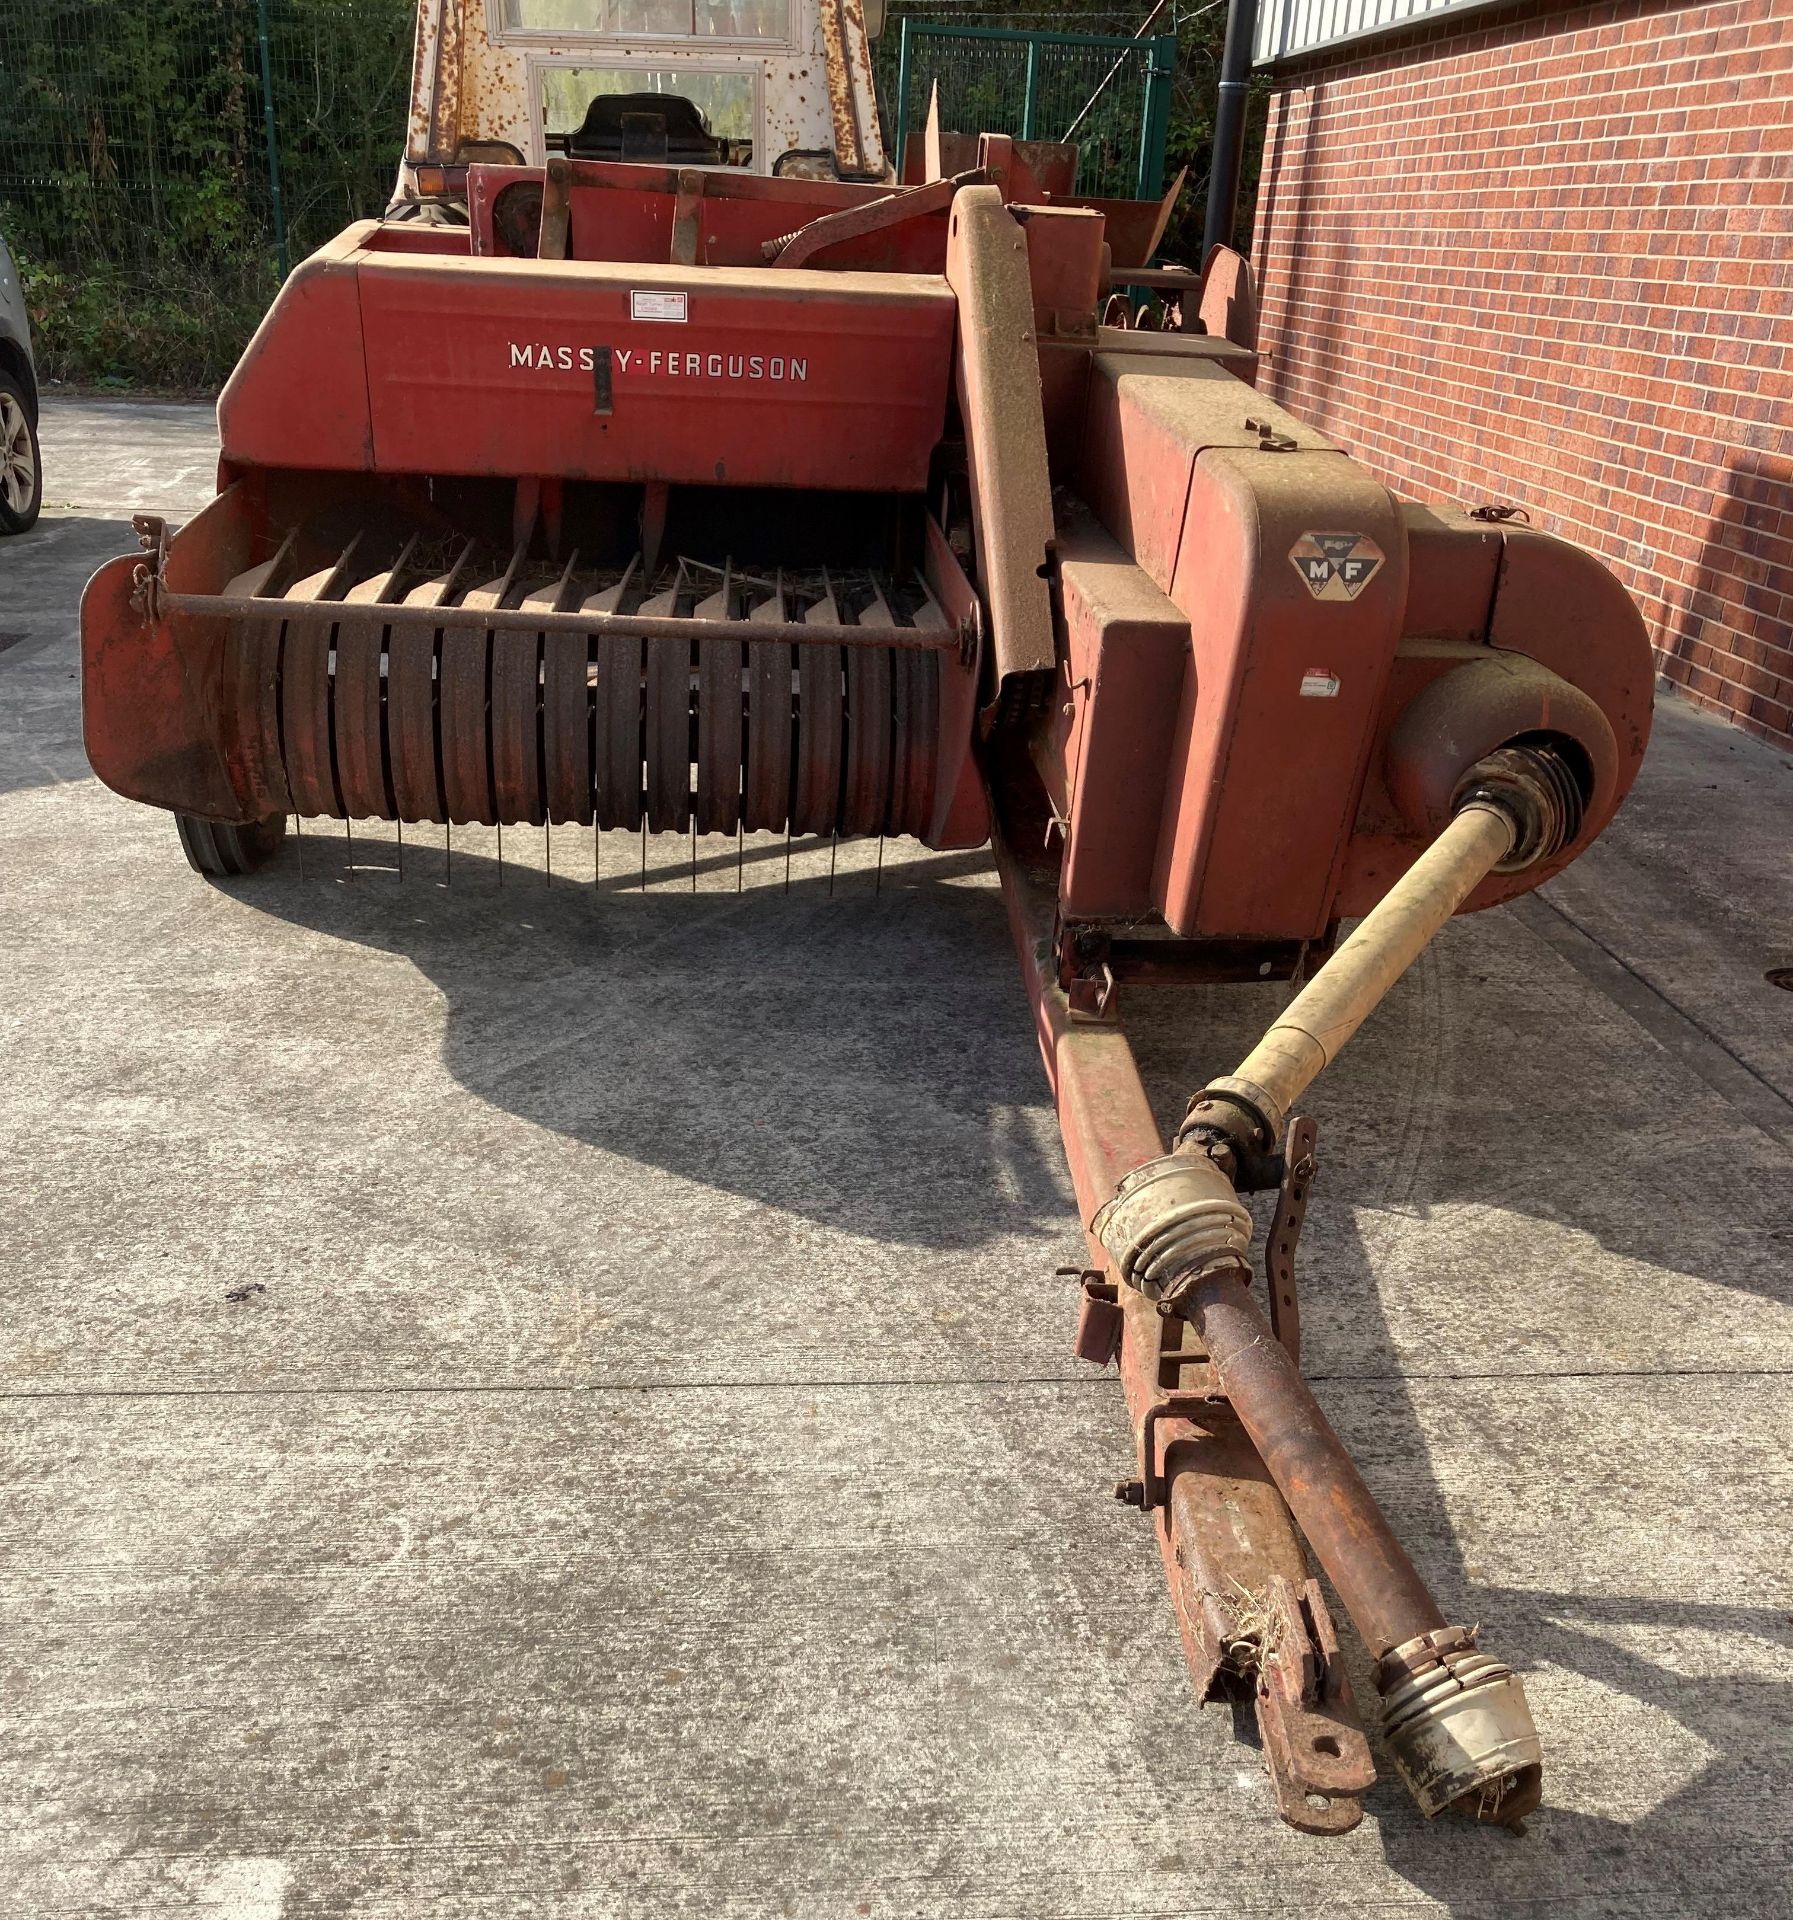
(1287, 28)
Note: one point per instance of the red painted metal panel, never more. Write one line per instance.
(1126, 649)
(298, 396)
(803, 380)
(149, 698)
(1280, 711)
(620, 211)
(1155, 404)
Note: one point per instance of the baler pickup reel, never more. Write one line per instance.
(902, 540)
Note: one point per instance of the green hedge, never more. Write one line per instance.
(134, 166)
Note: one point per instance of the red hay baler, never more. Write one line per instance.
(660, 499)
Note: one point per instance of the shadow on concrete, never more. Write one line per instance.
(1697, 1852)
(693, 1032)
(861, 1059)
(41, 576)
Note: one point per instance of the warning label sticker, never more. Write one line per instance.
(1335, 566)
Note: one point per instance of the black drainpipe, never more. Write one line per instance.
(1229, 125)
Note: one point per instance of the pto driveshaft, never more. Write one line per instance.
(1455, 1718)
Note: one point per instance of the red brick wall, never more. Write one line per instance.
(1545, 257)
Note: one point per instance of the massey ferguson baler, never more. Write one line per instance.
(654, 499)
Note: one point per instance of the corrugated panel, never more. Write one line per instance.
(1290, 27)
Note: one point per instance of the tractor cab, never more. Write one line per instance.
(770, 87)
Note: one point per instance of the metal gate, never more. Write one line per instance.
(1039, 86)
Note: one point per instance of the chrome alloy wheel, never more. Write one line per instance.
(18, 456)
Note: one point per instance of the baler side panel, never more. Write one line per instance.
(1126, 654)
(152, 716)
(299, 397)
(1287, 687)
(1151, 414)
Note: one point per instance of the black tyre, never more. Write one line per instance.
(221, 852)
(21, 465)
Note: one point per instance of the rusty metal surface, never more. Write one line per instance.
(1100, 1321)
(496, 690)
(770, 736)
(687, 219)
(961, 808)
(250, 702)
(472, 76)
(1005, 430)
(866, 783)
(616, 786)
(411, 726)
(1385, 1597)
(1285, 1233)
(554, 236)
(462, 691)
(668, 626)
(1227, 303)
(305, 702)
(1314, 1746)
(668, 735)
(516, 726)
(1225, 1535)
(358, 719)
(358, 696)
(719, 734)
(821, 695)
(871, 216)
(566, 728)
(915, 701)
(1065, 258)
(852, 99)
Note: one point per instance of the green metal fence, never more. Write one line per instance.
(1111, 95)
(162, 160)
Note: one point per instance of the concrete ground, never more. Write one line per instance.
(533, 1400)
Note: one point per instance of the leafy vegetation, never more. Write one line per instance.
(135, 182)
(134, 168)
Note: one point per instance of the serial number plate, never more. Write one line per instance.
(656, 306)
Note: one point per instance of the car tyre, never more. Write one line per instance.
(21, 464)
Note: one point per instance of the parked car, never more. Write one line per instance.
(21, 465)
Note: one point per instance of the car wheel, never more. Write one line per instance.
(221, 852)
(21, 466)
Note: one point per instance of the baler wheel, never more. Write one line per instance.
(223, 852)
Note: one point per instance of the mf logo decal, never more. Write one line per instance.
(1335, 566)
